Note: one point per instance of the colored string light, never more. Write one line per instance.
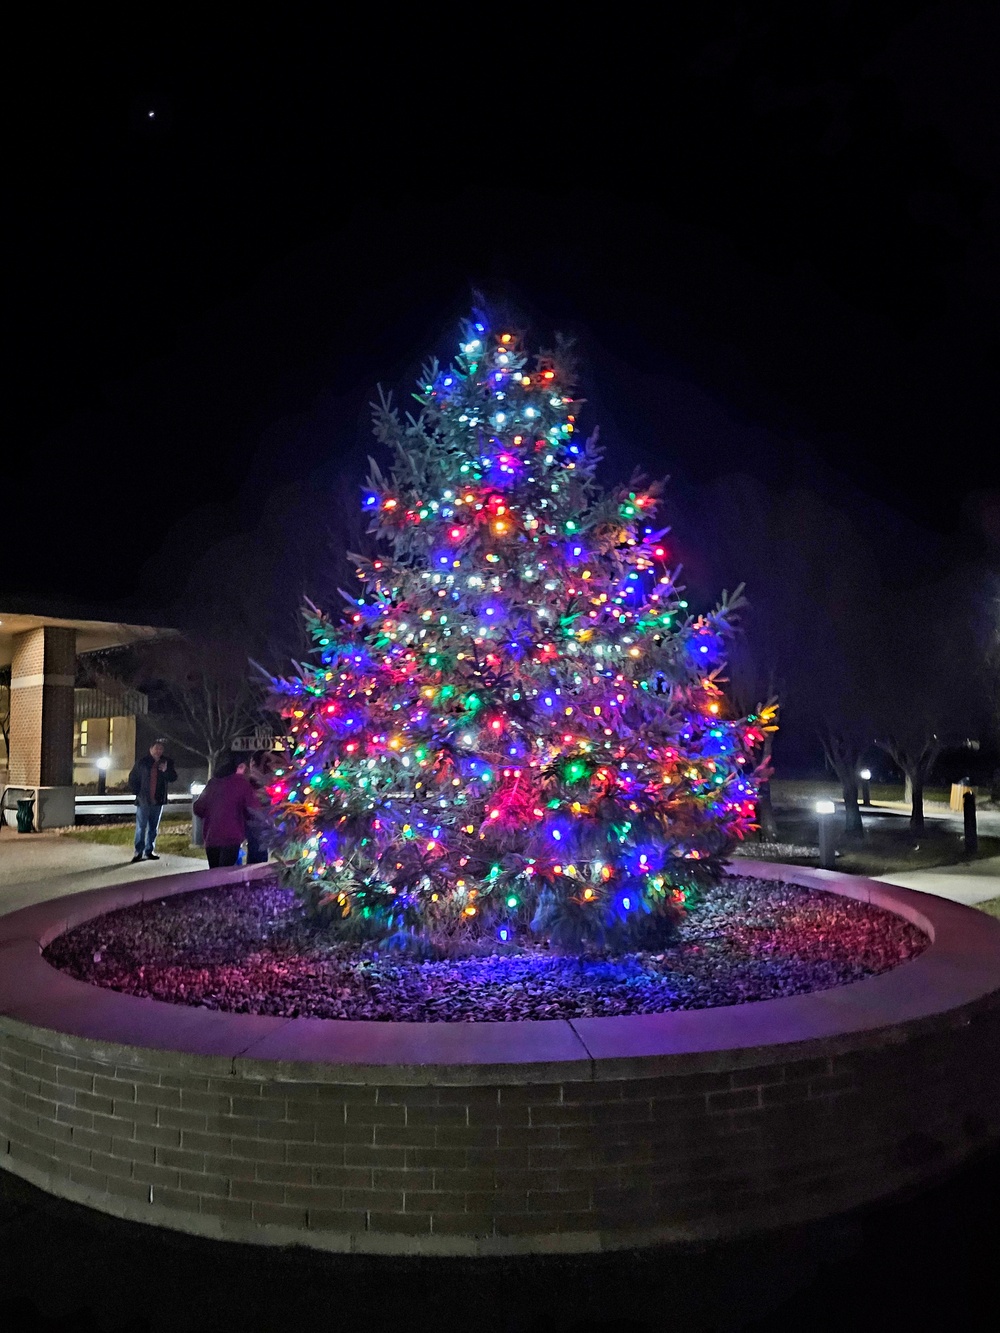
(518, 674)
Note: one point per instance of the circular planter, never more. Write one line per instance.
(498, 1138)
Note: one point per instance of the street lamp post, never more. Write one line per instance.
(825, 811)
(866, 792)
(103, 764)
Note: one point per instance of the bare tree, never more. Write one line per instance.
(813, 597)
(932, 690)
(876, 633)
(205, 696)
(914, 751)
(203, 692)
(844, 747)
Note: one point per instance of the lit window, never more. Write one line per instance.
(83, 739)
(111, 736)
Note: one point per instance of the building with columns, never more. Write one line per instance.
(48, 719)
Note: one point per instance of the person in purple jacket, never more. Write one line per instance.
(226, 805)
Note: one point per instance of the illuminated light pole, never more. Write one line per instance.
(825, 811)
(103, 764)
(866, 792)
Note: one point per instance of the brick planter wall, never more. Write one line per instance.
(498, 1138)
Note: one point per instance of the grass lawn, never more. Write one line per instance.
(888, 845)
(881, 854)
(175, 841)
(797, 792)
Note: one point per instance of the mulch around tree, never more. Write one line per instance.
(251, 949)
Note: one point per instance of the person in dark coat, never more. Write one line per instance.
(226, 806)
(148, 783)
(260, 772)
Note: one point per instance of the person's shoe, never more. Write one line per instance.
(151, 856)
(137, 857)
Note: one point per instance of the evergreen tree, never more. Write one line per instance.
(519, 727)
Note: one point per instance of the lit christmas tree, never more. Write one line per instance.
(518, 731)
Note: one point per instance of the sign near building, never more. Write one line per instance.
(260, 740)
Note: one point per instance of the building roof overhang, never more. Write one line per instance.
(91, 635)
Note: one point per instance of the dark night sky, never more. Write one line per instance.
(773, 231)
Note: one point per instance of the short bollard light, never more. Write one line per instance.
(969, 818)
(197, 827)
(825, 811)
(866, 792)
(103, 764)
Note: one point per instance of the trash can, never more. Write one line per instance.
(958, 790)
(26, 815)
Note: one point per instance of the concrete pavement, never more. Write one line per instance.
(968, 882)
(972, 883)
(37, 866)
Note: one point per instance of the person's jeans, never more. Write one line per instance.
(147, 821)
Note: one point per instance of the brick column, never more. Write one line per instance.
(41, 709)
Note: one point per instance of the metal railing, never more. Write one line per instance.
(92, 703)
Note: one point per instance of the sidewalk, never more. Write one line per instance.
(37, 866)
(987, 816)
(972, 883)
(969, 882)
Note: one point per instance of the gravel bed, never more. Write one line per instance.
(249, 949)
(774, 851)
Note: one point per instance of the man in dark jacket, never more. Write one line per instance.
(148, 781)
